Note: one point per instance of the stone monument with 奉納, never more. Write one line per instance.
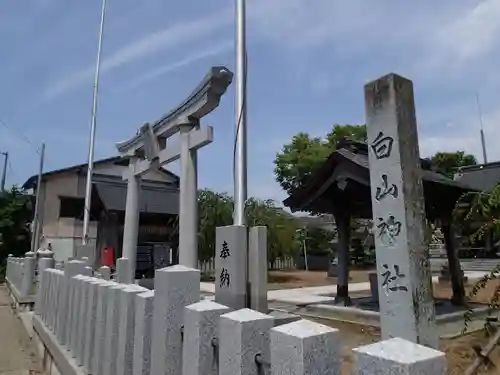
(404, 276)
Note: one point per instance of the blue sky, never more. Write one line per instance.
(308, 62)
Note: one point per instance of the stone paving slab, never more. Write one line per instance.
(318, 294)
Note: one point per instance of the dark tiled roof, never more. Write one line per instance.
(118, 160)
(481, 177)
(357, 153)
(156, 200)
(361, 158)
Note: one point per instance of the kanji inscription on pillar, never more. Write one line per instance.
(404, 280)
(225, 277)
(386, 189)
(388, 230)
(393, 279)
(231, 266)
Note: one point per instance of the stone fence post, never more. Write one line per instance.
(28, 275)
(8, 271)
(126, 330)
(398, 356)
(45, 260)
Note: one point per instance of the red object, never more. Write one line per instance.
(108, 257)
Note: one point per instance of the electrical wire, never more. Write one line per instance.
(20, 134)
(37, 150)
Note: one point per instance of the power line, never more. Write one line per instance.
(19, 133)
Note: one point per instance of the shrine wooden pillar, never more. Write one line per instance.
(456, 275)
(342, 222)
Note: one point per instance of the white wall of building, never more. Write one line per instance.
(65, 233)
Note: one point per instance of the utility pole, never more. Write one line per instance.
(4, 172)
(35, 228)
(88, 186)
(303, 236)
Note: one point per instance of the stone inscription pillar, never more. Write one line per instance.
(404, 279)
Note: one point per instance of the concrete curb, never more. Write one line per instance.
(64, 363)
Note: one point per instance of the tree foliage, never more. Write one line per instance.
(481, 210)
(298, 160)
(317, 240)
(216, 209)
(449, 163)
(281, 228)
(14, 218)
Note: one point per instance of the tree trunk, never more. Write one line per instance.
(343, 229)
(457, 281)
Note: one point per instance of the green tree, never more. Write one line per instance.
(318, 240)
(14, 228)
(481, 211)
(281, 228)
(215, 210)
(449, 163)
(300, 159)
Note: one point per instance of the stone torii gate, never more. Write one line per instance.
(149, 150)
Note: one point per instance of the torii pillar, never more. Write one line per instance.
(192, 138)
(131, 226)
(188, 200)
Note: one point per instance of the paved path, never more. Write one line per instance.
(17, 354)
(318, 294)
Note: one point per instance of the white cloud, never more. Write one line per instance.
(166, 39)
(214, 50)
(464, 42)
(472, 35)
(464, 135)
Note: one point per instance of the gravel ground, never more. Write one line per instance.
(17, 354)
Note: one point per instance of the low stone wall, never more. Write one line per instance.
(20, 278)
(88, 325)
(22, 275)
(478, 265)
(279, 264)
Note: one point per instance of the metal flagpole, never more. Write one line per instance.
(36, 224)
(4, 172)
(240, 149)
(240, 182)
(483, 143)
(88, 187)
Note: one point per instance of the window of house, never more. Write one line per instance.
(71, 207)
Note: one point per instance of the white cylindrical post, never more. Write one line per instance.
(188, 202)
(131, 227)
(240, 162)
(93, 125)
